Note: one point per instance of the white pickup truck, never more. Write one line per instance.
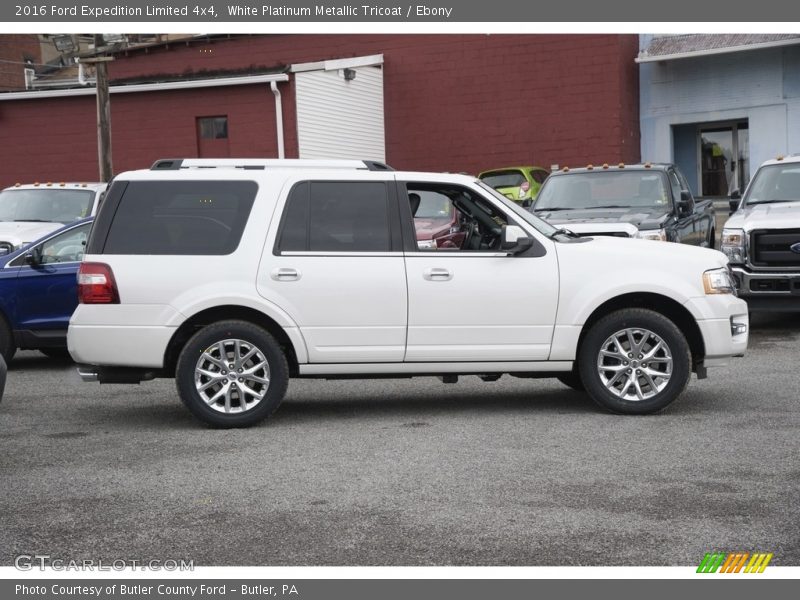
(234, 275)
(762, 237)
(28, 212)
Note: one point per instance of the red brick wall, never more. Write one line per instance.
(452, 103)
(14, 50)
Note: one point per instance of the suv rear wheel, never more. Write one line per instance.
(232, 374)
(634, 361)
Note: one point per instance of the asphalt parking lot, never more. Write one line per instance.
(407, 472)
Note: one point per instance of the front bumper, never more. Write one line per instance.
(770, 290)
(724, 325)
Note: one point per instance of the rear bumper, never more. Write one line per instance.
(114, 345)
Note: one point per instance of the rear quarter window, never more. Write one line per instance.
(180, 217)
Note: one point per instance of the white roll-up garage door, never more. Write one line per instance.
(341, 116)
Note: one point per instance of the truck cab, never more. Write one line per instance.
(762, 237)
(647, 201)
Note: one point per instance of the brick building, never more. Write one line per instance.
(427, 102)
(17, 52)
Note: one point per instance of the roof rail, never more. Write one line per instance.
(174, 164)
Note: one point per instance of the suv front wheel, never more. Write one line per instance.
(635, 361)
(232, 374)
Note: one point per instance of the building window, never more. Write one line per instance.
(212, 128)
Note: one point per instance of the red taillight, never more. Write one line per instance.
(96, 284)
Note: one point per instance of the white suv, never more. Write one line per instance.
(234, 275)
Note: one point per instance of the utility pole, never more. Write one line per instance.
(103, 111)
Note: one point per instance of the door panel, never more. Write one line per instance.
(348, 308)
(46, 296)
(480, 307)
(339, 270)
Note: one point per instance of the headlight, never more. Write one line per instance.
(653, 234)
(733, 245)
(718, 281)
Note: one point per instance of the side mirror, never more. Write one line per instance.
(514, 240)
(527, 203)
(735, 198)
(685, 203)
(33, 257)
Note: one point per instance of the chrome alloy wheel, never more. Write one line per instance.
(634, 364)
(232, 376)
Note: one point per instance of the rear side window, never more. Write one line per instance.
(336, 216)
(180, 217)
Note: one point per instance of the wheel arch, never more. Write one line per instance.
(224, 313)
(664, 305)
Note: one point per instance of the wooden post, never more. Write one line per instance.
(103, 113)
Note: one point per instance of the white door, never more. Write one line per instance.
(338, 272)
(472, 302)
(340, 113)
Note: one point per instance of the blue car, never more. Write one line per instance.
(38, 291)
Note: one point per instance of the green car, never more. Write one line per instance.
(520, 184)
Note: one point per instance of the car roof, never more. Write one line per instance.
(614, 168)
(515, 168)
(792, 158)
(61, 185)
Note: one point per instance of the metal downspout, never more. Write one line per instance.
(278, 116)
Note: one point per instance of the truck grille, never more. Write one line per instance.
(773, 248)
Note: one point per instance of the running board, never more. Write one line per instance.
(433, 368)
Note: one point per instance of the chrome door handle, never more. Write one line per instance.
(285, 274)
(436, 274)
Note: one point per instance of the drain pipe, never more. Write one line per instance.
(278, 116)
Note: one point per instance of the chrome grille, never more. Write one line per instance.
(772, 248)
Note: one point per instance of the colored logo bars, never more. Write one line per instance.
(734, 562)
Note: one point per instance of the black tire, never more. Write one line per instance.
(636, 319)
(253, 337)
(572, 380)
(8, 345)
(56, 353)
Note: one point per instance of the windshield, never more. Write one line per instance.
(541, 226)
(775, 183)
(503, 179)
(46, 205)
(604, 189)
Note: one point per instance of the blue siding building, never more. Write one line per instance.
(719, 105)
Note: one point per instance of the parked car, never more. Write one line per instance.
(38, 291)
(436, 221)
(762, 238)
(647, 201)
(27, 212)
(234, 275)
(520, 184)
